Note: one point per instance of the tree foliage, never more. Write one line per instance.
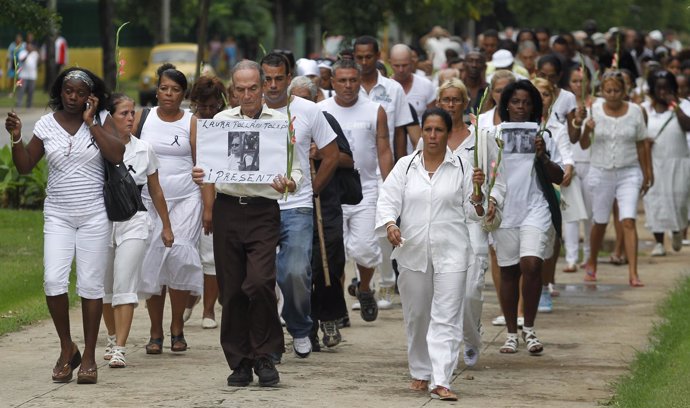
(28, 15)
(568, 15)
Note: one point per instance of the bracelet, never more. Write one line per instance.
(475, 203)
(15, 142)
(572, 122)
(391, 225)
(493, 200)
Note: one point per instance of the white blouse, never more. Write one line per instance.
(615, 139)
(433, 213)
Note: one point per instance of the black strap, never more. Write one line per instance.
(142, 119)
(419, 151)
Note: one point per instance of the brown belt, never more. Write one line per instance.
(244, 200)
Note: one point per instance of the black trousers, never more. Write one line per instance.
(244, 248)
(328, 303)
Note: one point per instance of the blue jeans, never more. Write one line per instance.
(293, 263)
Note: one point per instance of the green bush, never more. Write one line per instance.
(21, 190)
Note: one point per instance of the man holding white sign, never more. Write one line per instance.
(245, 219)
(365, 126)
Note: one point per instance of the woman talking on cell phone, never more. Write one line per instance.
(75, 220)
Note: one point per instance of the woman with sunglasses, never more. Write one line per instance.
(74, 145)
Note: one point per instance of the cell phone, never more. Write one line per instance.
(88, 106)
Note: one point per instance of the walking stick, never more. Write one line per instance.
(319, 229)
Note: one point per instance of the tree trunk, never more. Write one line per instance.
(201, 35)
(106, 11)
(51, 68)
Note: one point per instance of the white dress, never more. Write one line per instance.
(667, 200)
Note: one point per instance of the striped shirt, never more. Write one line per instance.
(75, 168)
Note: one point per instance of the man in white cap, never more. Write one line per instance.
(503, 59)
(325, 72)
(310, 69)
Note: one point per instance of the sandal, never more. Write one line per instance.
(88, 376)
(419, 385)
(590, 275)
(62, 373)
(511, 344)
(443, 394)
(178, 343)
(154, 346)
(636, 283)
(117, 359)
(617, 260)
(109, 348)
(534, 346)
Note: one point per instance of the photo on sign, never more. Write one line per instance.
(243, 151)
(518, 139)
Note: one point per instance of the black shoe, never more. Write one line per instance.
(315, 345)
(242, 375)
(266, 371)
(369, 308)
(344, 322)
(331, 334)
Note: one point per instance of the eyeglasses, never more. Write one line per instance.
(235, 145)
(447, 101)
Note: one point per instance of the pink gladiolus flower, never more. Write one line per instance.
(123, 62)
(493, 164)
(473, 119)
(19, 69)
(672, 106)
(293, 140)
(20, 82)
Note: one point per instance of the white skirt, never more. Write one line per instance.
(178, 267)
(666, 203)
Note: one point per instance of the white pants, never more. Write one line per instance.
(571, 232)
(87, 235)
(431, 310)
(386, 272)
(621, 184)
(473, 302)
(361, 243)
(123, 275)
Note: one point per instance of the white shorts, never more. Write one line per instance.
(606, 185)
(514, 243)
(361, 243)
(88, 236)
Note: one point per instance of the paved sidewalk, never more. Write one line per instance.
(590, 339)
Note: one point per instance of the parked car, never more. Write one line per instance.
(182, 55)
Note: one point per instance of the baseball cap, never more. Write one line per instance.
(502, 59)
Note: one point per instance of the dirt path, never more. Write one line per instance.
(590, 339)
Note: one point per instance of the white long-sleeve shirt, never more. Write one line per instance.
(433, 211)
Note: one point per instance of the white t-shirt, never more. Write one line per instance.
(422, 92)
(389, 94)
(310, 124)
(140, 159)
(564, 104)
(359, 125)
(171, 142)
(29, 65)
(615, 139)
(76, 170)
(486, 119)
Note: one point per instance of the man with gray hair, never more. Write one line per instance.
(245, 221)
(366, 128)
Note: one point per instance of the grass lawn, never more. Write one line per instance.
(22, 300)
(660, 376)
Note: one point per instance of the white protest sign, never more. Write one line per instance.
(244, 151)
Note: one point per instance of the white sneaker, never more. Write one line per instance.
(208, 323)
(471, 356)
(385, 296)
(499, 321)
(302, 346)
(356, 306)
(676, 241)
(659, 250)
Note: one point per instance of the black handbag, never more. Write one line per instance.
(350, 186)
(120, 192)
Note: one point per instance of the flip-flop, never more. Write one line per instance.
(154, 346)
